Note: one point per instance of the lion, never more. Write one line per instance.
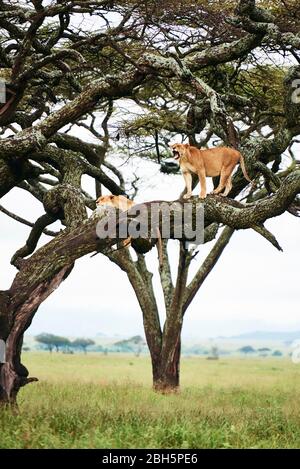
(123, 204)
(116, 201)
(212, 162)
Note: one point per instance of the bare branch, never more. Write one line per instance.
(269, 236)
(207, 266)
(31, 243)
(26, 222)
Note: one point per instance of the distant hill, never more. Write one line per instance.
(267, 335)
(275, 340)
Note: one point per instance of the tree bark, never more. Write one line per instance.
(14, 375)
(166, 369)
(164, 347)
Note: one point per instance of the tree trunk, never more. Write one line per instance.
(14, 375)
(166, 370)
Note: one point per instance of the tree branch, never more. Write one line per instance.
(26, 222)
(206, 267)
(33, 239)
(81, 240)
(165, 275)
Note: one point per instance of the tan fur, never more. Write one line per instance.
(219, 161)
(118, 201)
(122, 203)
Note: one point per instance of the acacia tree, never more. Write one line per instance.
(194, 71)
(52, 341)
(82, 344)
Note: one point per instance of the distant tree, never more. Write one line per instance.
(134, 344)
(45, 340)
(97, 348)
(82, 343)
(138, 350)
(214, 353)
(60, 342)
(277, 353)
(137, 340)
(51, 341)
(247, 349)
(263, 351)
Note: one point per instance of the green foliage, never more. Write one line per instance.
(134, 344)
(247, 349)
(82, 343)
(263, 84)
(277, 353)
(52, 341)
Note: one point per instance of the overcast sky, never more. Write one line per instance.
(253, 286)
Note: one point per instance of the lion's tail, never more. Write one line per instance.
(246, 176)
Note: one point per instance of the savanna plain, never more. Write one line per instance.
(98, 401)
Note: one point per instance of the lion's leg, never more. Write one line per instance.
(223, 181)
(228, 186)
(202, 180)
(188, 183)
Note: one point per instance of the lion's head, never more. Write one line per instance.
(179, 150)
(117, 201)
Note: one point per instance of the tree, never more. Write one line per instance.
(82, 343)
(247, 349)
(45, 340)
(205, 83)
(52, 341)
(214, 353)
(264, 351)
(134, 344)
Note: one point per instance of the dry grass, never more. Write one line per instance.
(97, 401)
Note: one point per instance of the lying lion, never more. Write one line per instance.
(116, 201)
(212, 162)
(123, 204)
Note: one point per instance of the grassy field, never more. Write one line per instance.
(97, 401)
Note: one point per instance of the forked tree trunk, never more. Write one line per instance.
(166, 367)
(166, 364)
(166, 371)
